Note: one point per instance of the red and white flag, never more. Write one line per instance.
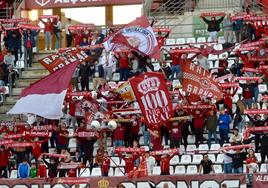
(138, 35)
(153, 97)
(199, 81)
(45, 97)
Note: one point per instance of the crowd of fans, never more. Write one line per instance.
(104, 66)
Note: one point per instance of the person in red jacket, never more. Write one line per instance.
(63, 137)
(105, 166)
(42, 170)
(129, 161)
(123, 66)
(119, 134)
(198, 127)
(81, 141)
(175, 135)
(37, 148)
(134, 129)
(155, 135)
(4, 154)
(48, 33)
(164, 164)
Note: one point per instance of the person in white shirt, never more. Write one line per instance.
(9, 59)
(109, 61)
(235, 138)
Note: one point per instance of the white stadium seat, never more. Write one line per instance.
(220, 158)
(263, 168)
(186, 159)
(218, 169)
(170, 41)
(191, 139)
(180, 41)
(262, 88)
(191, 169)
(221, 40)
(215, 147)
(191, 148)
(174, 160)
(190, 40)
(115, 161)
(197, 159)
(14, 174)
(203, 147)
(156, 170)
(180, 170)
(201, 39)
(96, 172)
(111, 172)
(119, 172)
(212, 157)
(84, 172)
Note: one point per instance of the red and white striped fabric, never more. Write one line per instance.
(45, 97)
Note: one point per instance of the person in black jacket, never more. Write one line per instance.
(238, 159)
(84, 76)
(52, 167)
(213, 27)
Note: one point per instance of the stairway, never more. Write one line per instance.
(28, 76)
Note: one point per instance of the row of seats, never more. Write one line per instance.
(191, 40)
(177, 170)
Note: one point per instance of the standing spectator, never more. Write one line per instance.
(146, 135)
(237, 27)
(198, 127)
(42, 170)
(123, 66)
(24, 169)
(63, 137)
(228, 29)
(228, 163)
(264, 147)
(118, 137)
(57, 32)
(81, 141)
(248, 32)
(223, 122)
(150, 162)
(105, 166)
(29, 44)
(52, 167)
(129, 160)
(84, 76)
(48, 33)
(33, 171)
(134, 130)
(213, 27)
(108, 65)
(4, 154)
(155, 136)
(175, 135)
(211, 124)
(206, 165)
(69, 36)
(238, 159)
(14, 43)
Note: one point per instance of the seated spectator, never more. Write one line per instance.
(206, 165)
(24, 169)
(9, 59)
(236, 138)
(251, 162)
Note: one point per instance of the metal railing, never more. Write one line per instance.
(218, 4)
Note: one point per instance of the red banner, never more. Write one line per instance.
(38, 134)
(20, 144)
(49, 17)
(47, 4)
(256, 111)
(86, 134)
(13, 136)
(165, 152)
(258, 59)
(54, 155)
(200, 81)
(248, 48)
(247, 78)
(182, 181)
(229, 85)
(69, 165)
(196, 107)
(153, 97)
(260, 180)
(57, 61)
(161, 29)
(185, 50)
(237, 147)
(82, 27)
(29, 26)
(44, 128)
(5, 142)
(129, 150)
(15, 20)
(251, 44)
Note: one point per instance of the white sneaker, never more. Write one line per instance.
(45, 49)
(50, 49)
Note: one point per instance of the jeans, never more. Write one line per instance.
(28, 56)
(223, 136)
(124, 74)
(108, 73)
(256, 93)
(228, 168)
(69, 39)
(240, 126)
(48, 38)
(146, 136)
(214, 36)
(118, 143)
(175, 69)
(210, 134)
(228, 36)
(57, 42)
(80, 150)
(248, 103)
(238, 170)
(238, 36)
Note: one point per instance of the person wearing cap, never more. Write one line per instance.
(4, 154)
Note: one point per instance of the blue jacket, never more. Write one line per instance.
(23, 170)
(226, 120)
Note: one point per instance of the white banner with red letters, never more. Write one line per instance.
(153, 97)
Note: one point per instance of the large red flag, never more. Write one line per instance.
(138, 35)
(199, 81)
(153, 97)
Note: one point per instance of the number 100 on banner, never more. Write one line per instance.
(153, 97)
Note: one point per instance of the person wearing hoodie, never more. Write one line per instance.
(213, 27)
(24, 169)
(223, 123)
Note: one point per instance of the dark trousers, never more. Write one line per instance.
(223, 136)
(198, 132)
(84, 84)
(3, 171)
(29, 56)
(124, 74)
(175, 143)
(53, 139)
(69, 39)
(15, 52)
(264, 153)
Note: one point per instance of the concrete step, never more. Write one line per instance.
(35, 73)
(5, 117)
(5, 108)
(26, 82)
(17, 91)
(11, 99)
